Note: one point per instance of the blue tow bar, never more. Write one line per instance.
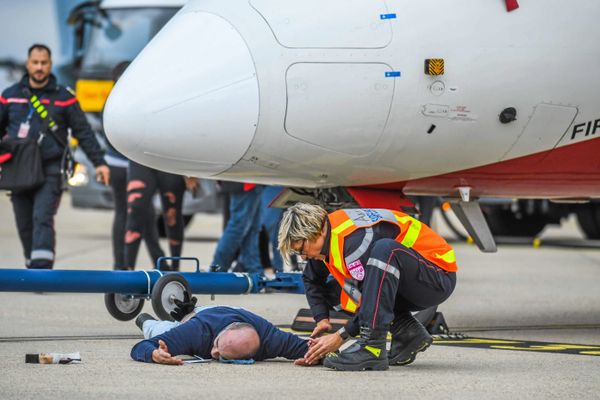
(126, 290)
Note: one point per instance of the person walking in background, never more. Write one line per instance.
(242, 230)
(21, 117)
(270, 218)
(118, 165)
(142, 183)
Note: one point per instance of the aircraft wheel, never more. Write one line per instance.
(588, 217)
(504, 222)
(122, 307)
(164, 293)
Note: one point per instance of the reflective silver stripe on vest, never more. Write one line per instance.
(362, 217)
(42, 255)
(385, 267)
(352, 291)
(362, 249)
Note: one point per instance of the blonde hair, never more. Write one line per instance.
(301, 221)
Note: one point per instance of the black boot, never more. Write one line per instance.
(143, 317)
(368, 352)
(408, 338)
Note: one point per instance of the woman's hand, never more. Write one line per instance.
(318, 348)
(322, 327)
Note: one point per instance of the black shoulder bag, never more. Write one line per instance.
(20, 164)
(22, 169)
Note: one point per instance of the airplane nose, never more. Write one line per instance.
(189, 102)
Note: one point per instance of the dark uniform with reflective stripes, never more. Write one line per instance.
(413, 283)
(35, 209)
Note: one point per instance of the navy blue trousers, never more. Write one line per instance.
(34, 214)
(398, 280)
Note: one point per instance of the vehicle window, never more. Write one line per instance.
(121, 34)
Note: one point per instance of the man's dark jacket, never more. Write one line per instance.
(196, 336)
(64, 110)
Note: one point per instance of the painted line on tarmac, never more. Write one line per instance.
(519, 345)
(15, 339)
(526, 327)
(459, 340)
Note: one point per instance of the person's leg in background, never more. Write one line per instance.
(141, 185)
(45, 205)
(23, 210)
(151, 238)
(238, 225)
(172, 188)
(118, 183)
(270, 219)
(249, 252)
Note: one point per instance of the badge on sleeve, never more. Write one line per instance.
(356, 270)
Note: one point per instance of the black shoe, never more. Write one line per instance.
(409, 337)
(368, 353)
(143, 317)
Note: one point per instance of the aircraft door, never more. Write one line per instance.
(342, 107)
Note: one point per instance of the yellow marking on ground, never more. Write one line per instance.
(475, 341)
(552, 347)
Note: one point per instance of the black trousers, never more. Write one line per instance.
(142, 184)
(34, 214)
(397, 280)
(118, 183)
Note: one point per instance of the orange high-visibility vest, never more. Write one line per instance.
(413, 234)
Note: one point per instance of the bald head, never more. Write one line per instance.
(238, 342)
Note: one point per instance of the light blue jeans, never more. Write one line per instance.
(241, 232)
(270, 220)
(153, 328)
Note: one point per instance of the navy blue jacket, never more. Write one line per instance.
(65, 111)
(316, 275)
(196, 336)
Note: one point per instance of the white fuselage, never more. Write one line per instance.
(296, 93)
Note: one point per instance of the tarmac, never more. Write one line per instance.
(548, 294)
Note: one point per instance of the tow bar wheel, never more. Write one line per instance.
(164, 293)
(123, 307)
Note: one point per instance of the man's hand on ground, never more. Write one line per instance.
(183, 308)
(162, 355)
(322, 327)
(302, 362)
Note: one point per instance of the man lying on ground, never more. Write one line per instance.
(219, 332)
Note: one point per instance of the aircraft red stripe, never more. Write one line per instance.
(571, 171)
(511, 5)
